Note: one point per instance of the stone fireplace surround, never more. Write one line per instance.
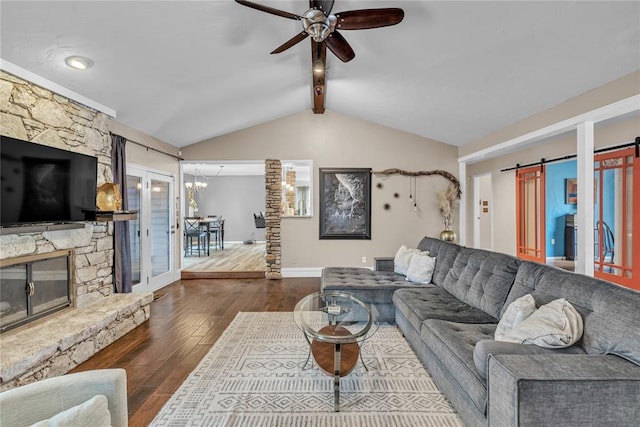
(54, 346)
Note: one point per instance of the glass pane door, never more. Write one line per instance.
(152, 234)
(134, 199)
(160, 227)
(615, 249)
(530, 214)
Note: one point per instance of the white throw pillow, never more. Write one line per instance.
(421, 268)
(402, 258)
(515, 313)
(94, 412)
(554, 325)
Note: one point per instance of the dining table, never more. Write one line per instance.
(214, 224)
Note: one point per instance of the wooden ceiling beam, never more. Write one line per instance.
(318, 75)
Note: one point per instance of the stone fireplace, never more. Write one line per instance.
(54, 346)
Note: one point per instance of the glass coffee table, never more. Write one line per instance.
(334, 324)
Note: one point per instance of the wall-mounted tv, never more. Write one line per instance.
(41, 184)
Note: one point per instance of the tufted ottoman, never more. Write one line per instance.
(375, 288)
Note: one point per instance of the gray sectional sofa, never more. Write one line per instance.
(450, 324)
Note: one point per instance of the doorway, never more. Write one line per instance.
(616, 211)
(231, 192)
(483, 212)
(152, 234)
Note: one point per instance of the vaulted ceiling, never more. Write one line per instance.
(186, 71)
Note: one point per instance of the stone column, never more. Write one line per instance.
(273, 183)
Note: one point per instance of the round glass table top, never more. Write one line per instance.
(351, 318)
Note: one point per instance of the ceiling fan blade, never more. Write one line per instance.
(268, 9)
(291, 42)
(369, 18)
(323, 5)
(339, 46)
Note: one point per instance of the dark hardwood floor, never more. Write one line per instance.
(185, 322)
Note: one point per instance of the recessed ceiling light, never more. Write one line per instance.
(78, 62)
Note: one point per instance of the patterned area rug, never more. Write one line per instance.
(253, 376)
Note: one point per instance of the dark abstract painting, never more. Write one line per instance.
(345, 203)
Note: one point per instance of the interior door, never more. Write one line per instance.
(616, 213)
(483, 211)
(530, 214)
(153, 233)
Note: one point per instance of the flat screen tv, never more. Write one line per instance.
(42, 184)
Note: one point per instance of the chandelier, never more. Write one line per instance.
(195, 185)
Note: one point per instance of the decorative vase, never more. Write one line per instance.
(447, 235)
(108, 197)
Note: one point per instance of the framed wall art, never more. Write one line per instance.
(345, 203)
(571, 191)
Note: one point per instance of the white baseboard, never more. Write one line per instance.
(301, 272)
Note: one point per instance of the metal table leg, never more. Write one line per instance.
(336, 378)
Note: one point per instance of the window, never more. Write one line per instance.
(297, 185)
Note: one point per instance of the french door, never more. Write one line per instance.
(616, 213)
(152, 234)
(530, 214)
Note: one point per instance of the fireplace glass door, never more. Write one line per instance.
(33, 288)
(50, 280)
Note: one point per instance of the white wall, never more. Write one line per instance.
(236, 199)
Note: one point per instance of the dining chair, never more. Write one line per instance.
(608, 243)
(192, 230)
(214, 231)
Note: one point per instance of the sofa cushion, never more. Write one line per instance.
(453, 344)
(421, 268)
(367, 285)
(596, 300)
(554, 325)
(486, 348)
(432, 302)
(515, 313)
(445, 254)
(482, 279)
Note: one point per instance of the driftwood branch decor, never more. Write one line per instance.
(442, 173)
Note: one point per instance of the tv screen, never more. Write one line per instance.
(44, 184)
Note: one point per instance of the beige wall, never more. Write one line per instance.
(143, 157)
(612, 132)
(335, 140)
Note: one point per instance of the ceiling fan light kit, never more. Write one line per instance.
(319, 23)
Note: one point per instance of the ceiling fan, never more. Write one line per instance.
(322, 25)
